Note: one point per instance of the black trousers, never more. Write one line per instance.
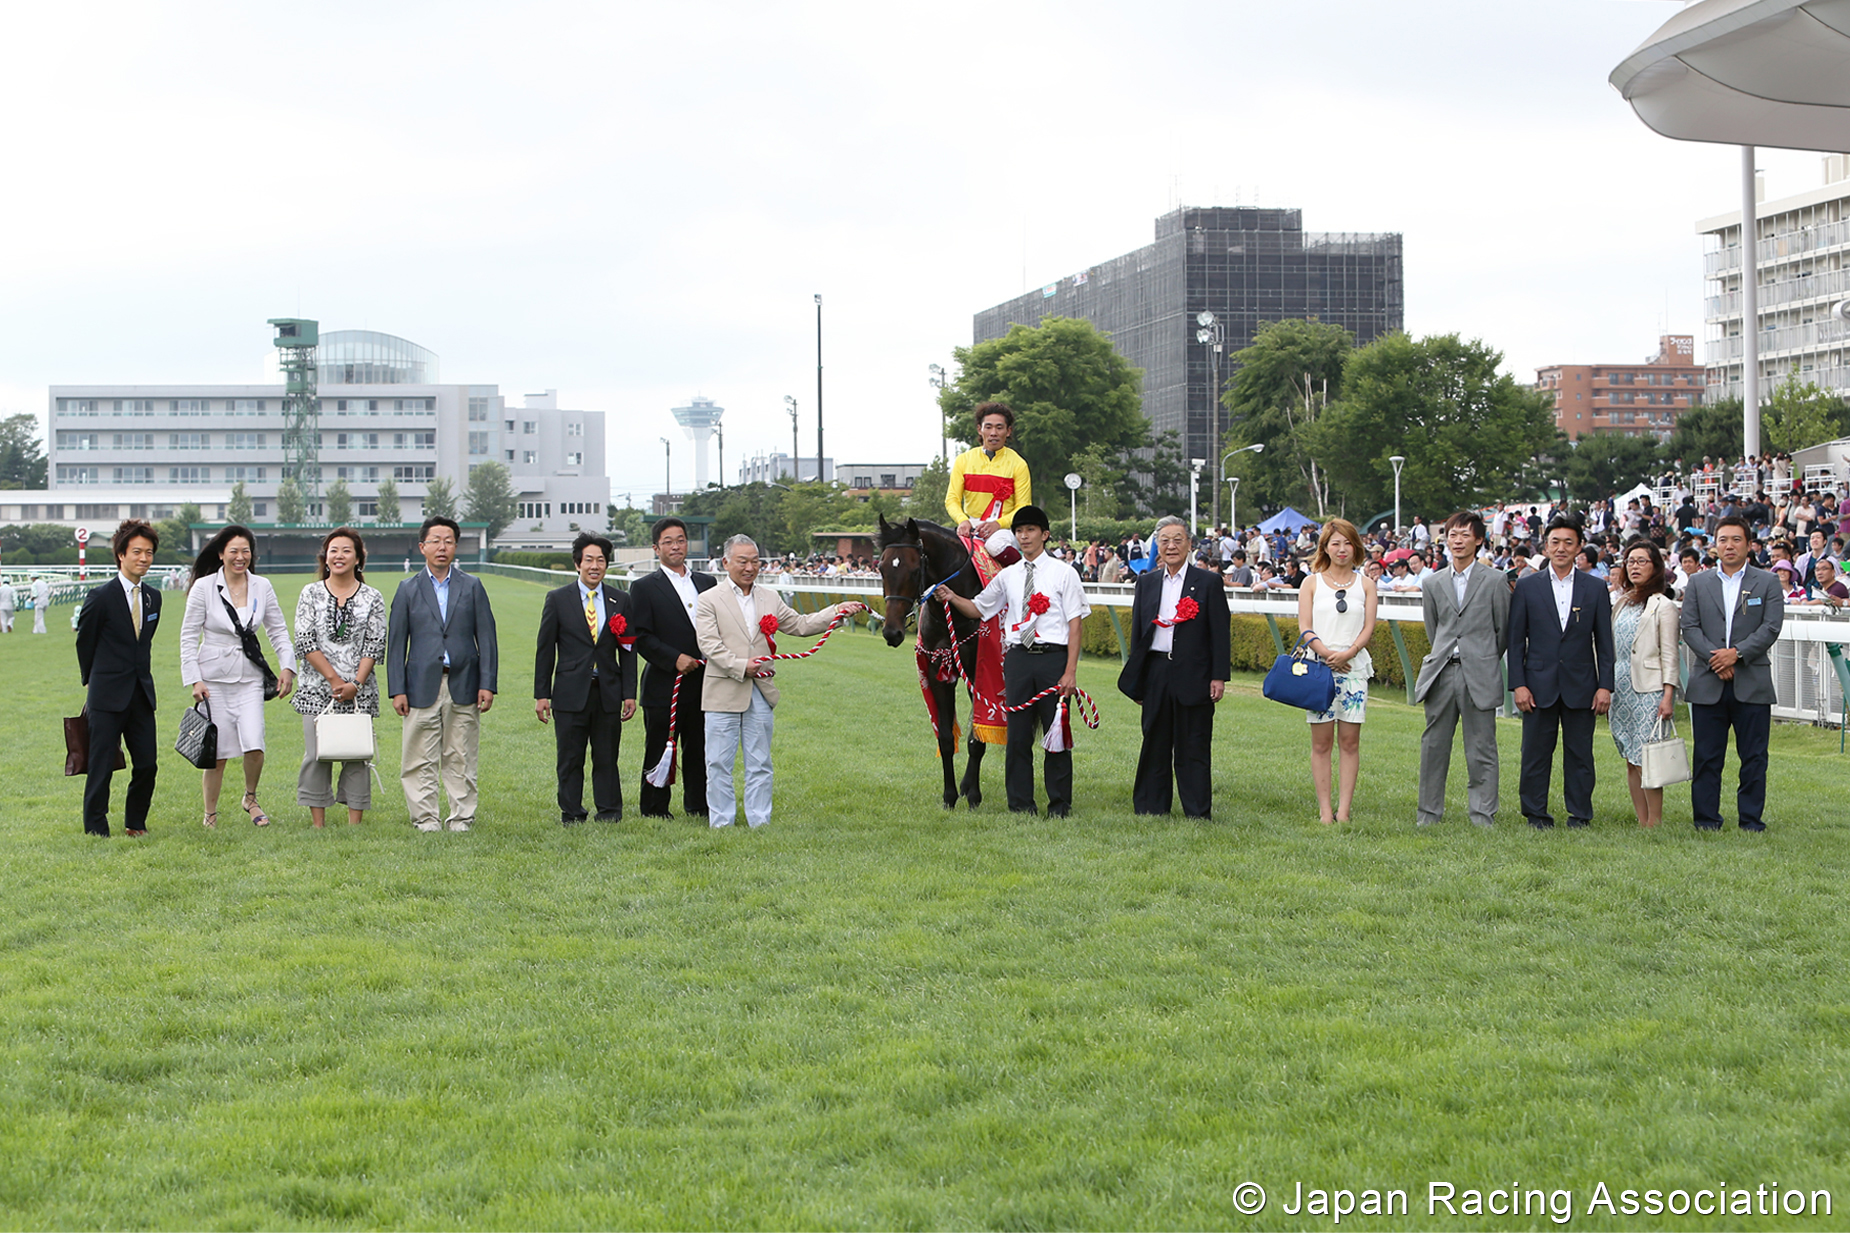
(134, 728)
(603, 731)
(1177, 740)
(1024, 675)
(1540, 727)
(1752, 723)
(690, 760)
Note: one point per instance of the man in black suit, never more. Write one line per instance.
(1177, 671)
(115, 628)
(663, 602)
(584, 678)
(1560, 667)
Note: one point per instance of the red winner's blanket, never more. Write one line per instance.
(987, 692)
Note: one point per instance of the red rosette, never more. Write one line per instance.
(619, 629)
(1038, 603)
(618, 624)
(767, 625)
(1186, 609)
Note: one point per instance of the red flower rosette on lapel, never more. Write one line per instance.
(1037, 604)
(619, 629)
(767, 625)
(1186, 610)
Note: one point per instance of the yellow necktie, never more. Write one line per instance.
(591, 614)
(134, 609)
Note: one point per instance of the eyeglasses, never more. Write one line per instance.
(1342, 600)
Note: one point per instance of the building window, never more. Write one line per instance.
(77, 406)
(529, 427)
(529, 457)
(189, 440)
(478, 410)
(575, 459)
(134, 475)
(247, 440)
(260, 508)
(78, 475)
(236, 475)
(575, 428)
(245, 406)
(185, 475)
(134, 406)
(368, 509)
(478, 443)
(889, 480)
(95, 511)
(510, 455)
(862, 481)
(510, 425)
(190, 406)
(369, 475)
(78, 440)
(415, 472)
(410, 404)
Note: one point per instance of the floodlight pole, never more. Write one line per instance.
(1399, 461)
(1750, 308)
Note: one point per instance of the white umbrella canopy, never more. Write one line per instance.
(1746, 72)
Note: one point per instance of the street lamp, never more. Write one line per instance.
(1258, 448)
(1399, 461)
(1233, 504)
(1194, 486)
(791, 404)
(818, 389)
(1211, 334)
(667, 473)
(939, 380)
(1073, 482)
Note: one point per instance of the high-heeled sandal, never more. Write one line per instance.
(210, 821)
(257, 815)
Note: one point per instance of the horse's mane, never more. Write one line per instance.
(895, 533)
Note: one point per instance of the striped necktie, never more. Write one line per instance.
(591, 614)
(1027, 593)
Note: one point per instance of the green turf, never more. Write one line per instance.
(876, 1014)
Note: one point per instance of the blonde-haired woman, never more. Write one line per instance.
(1647, 643)
(1336, 605)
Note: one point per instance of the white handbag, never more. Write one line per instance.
(1665, 760)
(343, 738)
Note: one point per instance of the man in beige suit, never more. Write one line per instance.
(737, 697)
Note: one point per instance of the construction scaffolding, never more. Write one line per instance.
(296, 341)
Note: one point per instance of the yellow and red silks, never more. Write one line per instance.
(987, 691)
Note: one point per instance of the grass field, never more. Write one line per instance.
(873, 1013)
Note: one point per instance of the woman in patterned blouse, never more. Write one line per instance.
(339, 637)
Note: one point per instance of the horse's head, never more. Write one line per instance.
(902, 575)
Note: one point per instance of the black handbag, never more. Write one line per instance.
(198, 739)
(253, 650)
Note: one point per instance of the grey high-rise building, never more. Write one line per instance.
(1247, 266)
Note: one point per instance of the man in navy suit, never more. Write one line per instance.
(115, 628)
(1560, 667)
(441, 664)
(664, 613)
(584, 681)
(1177, 670)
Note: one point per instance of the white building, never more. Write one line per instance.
(384, 415)
(1803, 261)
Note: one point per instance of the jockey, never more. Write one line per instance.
(988, 483)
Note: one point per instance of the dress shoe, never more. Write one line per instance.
(1030, 810)
(650, 813)
(1708, 826)
(566, 819)
(1058, 811)
(1487, 823)
(457, 824)
(132, 833)
(431, 825)
(1542, 824)
(1580, 822)
(610, 817)
(1755, 827)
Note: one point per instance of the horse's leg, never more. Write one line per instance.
(944, 697)
(973, 769)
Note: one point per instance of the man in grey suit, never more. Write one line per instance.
(1731, 619)
(1467, 609)
(441, 663)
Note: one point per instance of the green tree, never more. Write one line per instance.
(628, 522)
(177, 532)
(240, 510)
(1285, 381)
(1709, 431)
(440, 498)
(1800, 413)
(748, 509)
(337, 504)
(491, 497)
(1068, 386)
(1158, 482)
(1602, 464)
(389, 514)
(1099, 497)
(290, 504)
(1466, 430)
(22, 461)
(926, 500)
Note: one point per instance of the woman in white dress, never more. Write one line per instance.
(1337, 603)
(223, 597)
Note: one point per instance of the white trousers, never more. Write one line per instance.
(38, 620)
(726, 731)
(6, 620)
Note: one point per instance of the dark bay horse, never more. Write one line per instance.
(913, 558)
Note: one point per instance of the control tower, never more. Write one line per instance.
(699, 418)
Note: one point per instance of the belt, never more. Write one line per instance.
(1040, 648)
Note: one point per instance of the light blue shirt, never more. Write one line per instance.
(584, 593)
(442, 586)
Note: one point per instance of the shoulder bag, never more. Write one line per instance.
(343, 737)
(198, 739)
(77, 745)
(1665, 760)
(1300, 679)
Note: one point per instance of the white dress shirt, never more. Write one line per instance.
(683, 584)
(748, 607)
(1165, 638)
(1564, 592)
(1055, 579)
(1460, 580)
(1731, 599)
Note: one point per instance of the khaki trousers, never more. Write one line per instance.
(443, 736)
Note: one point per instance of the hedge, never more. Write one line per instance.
(1252, 648)
(534, 560)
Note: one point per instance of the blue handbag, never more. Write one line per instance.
(1300, 679)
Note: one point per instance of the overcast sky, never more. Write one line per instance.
(635, 203)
